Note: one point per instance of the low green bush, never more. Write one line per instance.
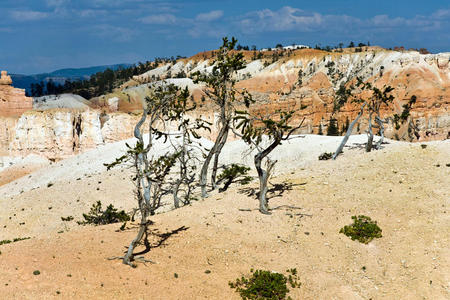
(326, 156)
(363, 229)
(265, 285)
(97, 216)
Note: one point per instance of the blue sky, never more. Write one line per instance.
(44, 35)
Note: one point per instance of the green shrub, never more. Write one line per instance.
(233, 173)
(265, 284)
(363, 229)
(326, 156)
(99, 217)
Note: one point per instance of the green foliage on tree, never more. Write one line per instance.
(220, 90)
(374, 99)
(332, 129)
(403, 117)
(264, 133)
(99, 83)
(150, 172)
(234, 173)
(188, 127)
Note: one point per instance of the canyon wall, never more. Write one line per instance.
(309, 86)
(61, 133)
(305, 81)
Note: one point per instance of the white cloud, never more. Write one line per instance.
(209, 16)
(28, 15)
(386, 21)
(285, 19)
(294, 19)
(91, 13)
(116, 3)
(442, 13)
(118, 34)
(57, 3)
(162, 19)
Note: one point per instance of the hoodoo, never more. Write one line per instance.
(13, 102)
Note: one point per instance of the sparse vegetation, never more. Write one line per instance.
(333, 129)
(403, 117)
(233, 173)
(98, 216)
(363, 229)
(264, 284)
(150, 173)
(264, 133)
(67, 219)
(326, 156)
(14, 240)
(222, 93)
(372, 103)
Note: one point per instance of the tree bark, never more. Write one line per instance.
(143, 193)
(212, 152)
(183, 171)
(370, 135)
(349, 132)
(380, 123)
(216, 160)
(129, 256)
(264, 175)
(176, 200)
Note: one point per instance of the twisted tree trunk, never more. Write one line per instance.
(264, 175)
(370, 135)
(215, 149)
(349, 132)
(143, 190)
(380, 123)
(216, 161)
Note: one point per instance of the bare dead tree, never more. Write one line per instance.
(253, 129)
(220, 90)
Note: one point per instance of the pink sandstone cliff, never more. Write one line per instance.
(59, 133)
(13, 102)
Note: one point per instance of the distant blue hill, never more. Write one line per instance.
(60, 76)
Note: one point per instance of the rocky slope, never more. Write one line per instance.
(403, 187)
(305, 80)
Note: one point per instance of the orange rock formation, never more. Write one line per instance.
(13, 102)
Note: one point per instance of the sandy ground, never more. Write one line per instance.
(12, 168)
(404, 187)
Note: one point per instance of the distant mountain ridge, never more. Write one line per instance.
(60, 76)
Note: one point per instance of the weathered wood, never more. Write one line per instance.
(349, 132)
(369, 144)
